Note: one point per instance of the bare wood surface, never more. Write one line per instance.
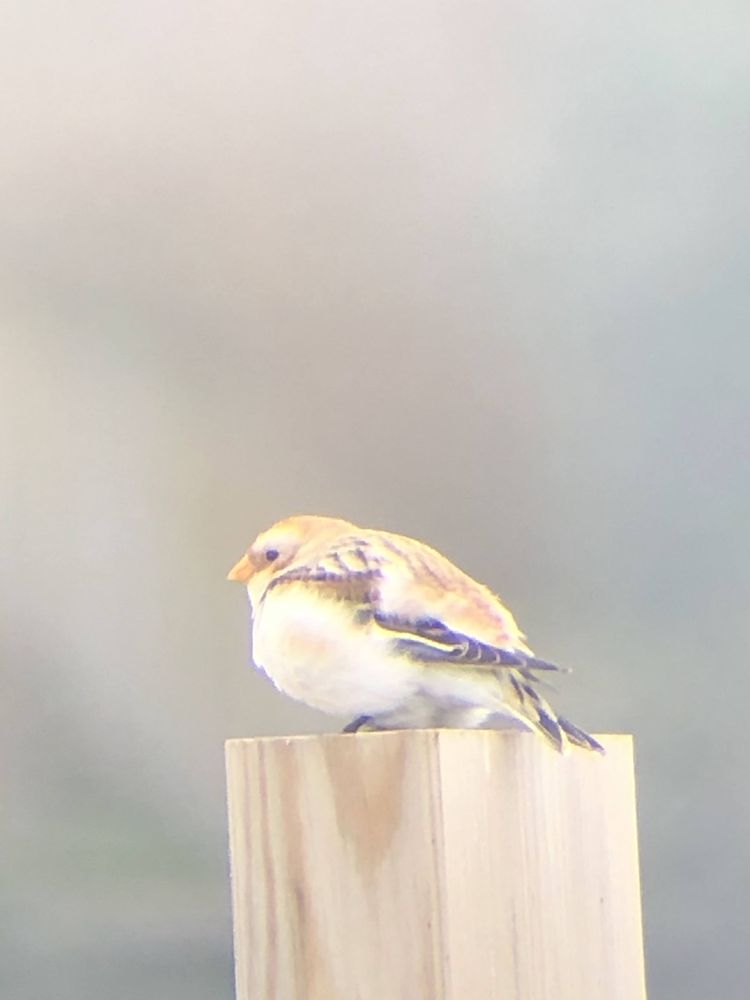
(433, 865)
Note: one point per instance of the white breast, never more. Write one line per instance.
(313, 650)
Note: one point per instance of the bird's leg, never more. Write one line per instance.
(361, 722)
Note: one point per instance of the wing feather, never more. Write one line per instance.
(431, 641)
(434, 612)
(347, 568)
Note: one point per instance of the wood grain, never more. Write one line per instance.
(433, 865)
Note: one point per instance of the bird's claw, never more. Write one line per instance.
(361, 723)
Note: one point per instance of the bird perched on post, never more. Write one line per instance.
(354, 621)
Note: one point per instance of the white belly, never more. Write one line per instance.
(312, 650)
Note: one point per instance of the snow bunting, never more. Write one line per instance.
(382, 627)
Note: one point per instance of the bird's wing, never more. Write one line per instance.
(433, 611)
(422, 583)
(431, 641)
(346, 567)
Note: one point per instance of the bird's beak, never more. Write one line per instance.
(242, 571)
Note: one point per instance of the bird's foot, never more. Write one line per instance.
(362, 724)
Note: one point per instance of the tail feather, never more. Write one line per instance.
(548, 724)
(579, 737)
(533, 709)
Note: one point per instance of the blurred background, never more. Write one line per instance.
(474, 272)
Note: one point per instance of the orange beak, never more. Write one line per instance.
(242, 571)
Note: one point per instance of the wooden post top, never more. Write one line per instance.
(434, 865)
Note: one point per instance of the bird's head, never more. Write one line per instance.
(280, 545)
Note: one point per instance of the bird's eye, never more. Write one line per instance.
(272, 554)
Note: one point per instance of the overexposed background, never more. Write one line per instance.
(475, 272)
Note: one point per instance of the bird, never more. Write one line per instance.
(381, 627)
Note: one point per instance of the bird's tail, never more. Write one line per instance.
(531, 708)
(578, 736)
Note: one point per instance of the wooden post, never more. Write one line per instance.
(434, 865)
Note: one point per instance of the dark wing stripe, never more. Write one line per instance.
(468, 652)
(431, 641)
(359, 554)
(340, 566)
(532, 663)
